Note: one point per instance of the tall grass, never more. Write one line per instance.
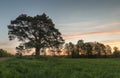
(50, 67)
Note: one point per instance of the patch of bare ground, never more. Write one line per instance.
(4, 58)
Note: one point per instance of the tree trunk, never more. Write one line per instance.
(99, 53)
(37, 51)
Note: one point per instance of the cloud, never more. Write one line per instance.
(111, 24)
(93, 24)
(82, 23)
(83, 35)
(88, 26)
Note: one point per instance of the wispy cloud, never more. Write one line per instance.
(82, 35)
(82, 23)
(88, 26)
(106, 25)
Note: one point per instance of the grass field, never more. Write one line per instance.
(51, 67)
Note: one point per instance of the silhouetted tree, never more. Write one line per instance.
(88, 49)
(80, 46)
(100, 49)
(103, 48)
(36, 32)
(73, 50)
(116, 52)
(67, 49)
(115, 49)
(108, 50)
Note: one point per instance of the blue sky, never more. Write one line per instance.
(91, 20)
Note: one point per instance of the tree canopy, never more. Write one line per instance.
(35, 32)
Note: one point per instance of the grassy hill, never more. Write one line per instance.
(51, 67)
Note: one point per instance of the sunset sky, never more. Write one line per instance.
(90, 20)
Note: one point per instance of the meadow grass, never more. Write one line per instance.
(52, 67)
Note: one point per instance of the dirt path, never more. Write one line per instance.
(4, 58)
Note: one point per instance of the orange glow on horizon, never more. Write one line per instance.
(112, 43)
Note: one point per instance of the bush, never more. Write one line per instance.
(116, 53)
(4, 53)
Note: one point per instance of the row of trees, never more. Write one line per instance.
(81, 49)
(39, 32)
(90, 49)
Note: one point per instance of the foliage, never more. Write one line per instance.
(116, 52)
(51, 67)
(108, 50)
(81, 46)
(4, 53)
(35, 32)
(87, 49)
(22, 49)
(71, 49)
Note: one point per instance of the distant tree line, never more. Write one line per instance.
(80, 50)
(90, 49)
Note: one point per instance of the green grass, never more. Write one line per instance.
(51, 67)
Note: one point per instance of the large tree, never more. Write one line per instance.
(35, 32)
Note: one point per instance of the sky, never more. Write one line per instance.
(90, 20)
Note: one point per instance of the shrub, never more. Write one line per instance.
(4, 53)
(116, 53)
